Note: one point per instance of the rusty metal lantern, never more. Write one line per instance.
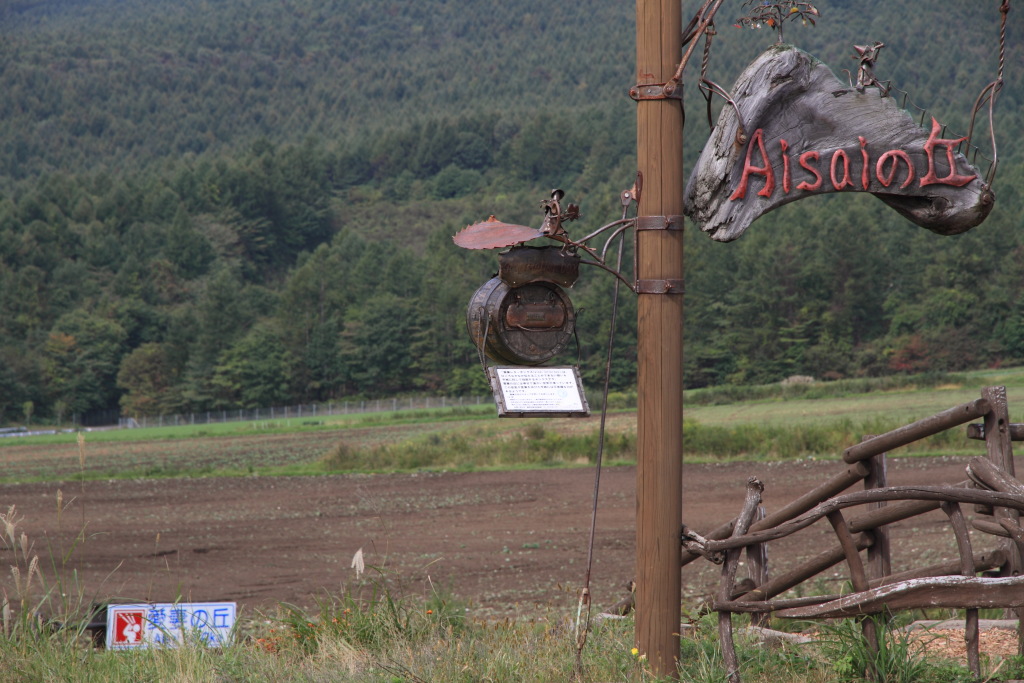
(523, 316)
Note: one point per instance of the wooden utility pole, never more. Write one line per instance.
(660, 336)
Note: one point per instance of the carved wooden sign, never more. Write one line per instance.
(804, 132)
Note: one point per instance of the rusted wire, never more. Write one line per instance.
(988, 94)
(583, 624)
(970, 151)
(707, 14)
(713, 88)
(691, 29)
(709, 88)
(709, 33)
(1004, 9)
(481, 349)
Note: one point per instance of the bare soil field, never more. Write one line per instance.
(503, 542)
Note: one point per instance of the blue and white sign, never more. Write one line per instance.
(170, 624)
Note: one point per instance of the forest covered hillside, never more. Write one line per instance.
(231, 203)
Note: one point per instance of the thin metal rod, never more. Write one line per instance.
(583, 625)
(673, 83)
(618, 232)
(617, 274)
(603, 228)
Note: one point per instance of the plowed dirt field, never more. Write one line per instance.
(503, 542)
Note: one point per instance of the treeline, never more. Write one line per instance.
(257, 280)
(221, 204)
(116, 84)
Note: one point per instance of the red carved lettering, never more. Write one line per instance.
(786, 179)
(886, 169)
(804, 185)
(846, 170)
(953, 178)
(749, 169)
(864, 178)
(896, 155)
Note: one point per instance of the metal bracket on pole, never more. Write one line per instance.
(670, 286)
(655, 91)
(659, 222)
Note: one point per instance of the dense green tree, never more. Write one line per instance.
(222, 315)
(148, 377)
(11, 392)
(186, 248)
(81, 358)
(375, 345)
(252, 373)
(312, 307)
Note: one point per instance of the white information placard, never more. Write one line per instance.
(170, 624)
(538, 392)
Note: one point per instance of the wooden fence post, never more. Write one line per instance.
(757, 564)
(999, 449)
(879, 552)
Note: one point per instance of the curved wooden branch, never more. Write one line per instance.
(893, 493)
(824, 491)
(944, 591)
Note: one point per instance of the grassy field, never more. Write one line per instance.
(371, 635)
(377, 638)
(893, 401)
(746, 423)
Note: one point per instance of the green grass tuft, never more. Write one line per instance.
(534, 445)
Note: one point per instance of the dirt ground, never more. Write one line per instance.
(503, 542)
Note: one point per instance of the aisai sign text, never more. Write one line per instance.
(804, 132)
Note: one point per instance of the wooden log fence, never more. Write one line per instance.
(996, 497)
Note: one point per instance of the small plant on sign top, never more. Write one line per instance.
(767, 14)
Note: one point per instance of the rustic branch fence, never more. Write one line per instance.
(973, 581)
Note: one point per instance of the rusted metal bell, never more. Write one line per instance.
(525, 325)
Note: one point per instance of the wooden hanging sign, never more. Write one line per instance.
(804, 132)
